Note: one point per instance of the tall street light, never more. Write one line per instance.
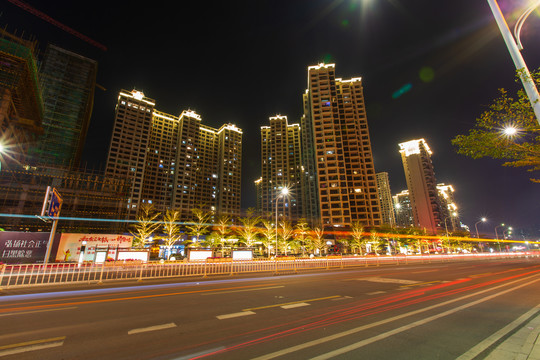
(446, 227)
(497, 235)
(476, 226)
(283, 193)
(513, 49)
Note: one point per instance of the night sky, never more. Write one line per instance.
(244, 61)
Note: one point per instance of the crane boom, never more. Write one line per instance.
(56, 23)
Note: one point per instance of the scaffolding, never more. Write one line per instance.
(92, 202)
(21, 104)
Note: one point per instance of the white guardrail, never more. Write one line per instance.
(26, 275)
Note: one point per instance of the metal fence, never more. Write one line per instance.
(26, 275)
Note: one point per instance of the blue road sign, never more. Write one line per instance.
(55, 204)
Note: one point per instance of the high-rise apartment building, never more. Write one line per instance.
(336, 126)
(175, 162)
(208, 167)
(281, 166)
(420, 176)
(310, 185)
(403, 209)
(130, 143)
(449, 209)
(67, 81)
(385, 198)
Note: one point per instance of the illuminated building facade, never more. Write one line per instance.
(336, 126)
(67, 81)
(130, 143)
(281, 166)
(208, 167)
(385, 199)
(421, 183)
(175, 162)
(403, 210)
(449, 209)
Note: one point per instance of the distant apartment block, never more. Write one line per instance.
(421, 183)
(281, 167)
(174, 162)
(403, 210)
(385, 198)
(449, 208)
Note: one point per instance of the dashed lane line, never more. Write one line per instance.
(152, 328)
(234, 315)
(291, 306)
(292, 302)
(31, 346)
(37, 311)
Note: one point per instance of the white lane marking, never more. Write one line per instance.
(376, 293)
(474, 351)
(397, 317)
(387, 280)
(234, 291)
(152, 328)
(37, 311)
(291, 306)
(31, 346)
(233, 315)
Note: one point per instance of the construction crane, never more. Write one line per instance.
(56, 23)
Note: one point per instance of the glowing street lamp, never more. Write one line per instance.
(510, 131)
(283, 193)
(514, 50)
(507, 231)
(476, 226)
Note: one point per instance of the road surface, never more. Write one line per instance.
(423, 311)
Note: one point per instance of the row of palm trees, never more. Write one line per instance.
(260, 233)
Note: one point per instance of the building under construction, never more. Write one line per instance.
(21, 104)
(67, 82)
(92, 203)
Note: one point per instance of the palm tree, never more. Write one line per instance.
(171, 228)
(302, 229)
(318, 239)
(223, 230)
(200, 224)
(357, 232)
(145, 226)
(269, 235)
(286, 235)
(375, 241)
(249, 230)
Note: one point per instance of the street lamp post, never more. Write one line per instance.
(446, 227)
(476, 226)
(497, 236)
(513, 49)
(284, 192)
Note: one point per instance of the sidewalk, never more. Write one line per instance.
(523, 345)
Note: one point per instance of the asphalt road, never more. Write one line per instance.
(421, 311)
